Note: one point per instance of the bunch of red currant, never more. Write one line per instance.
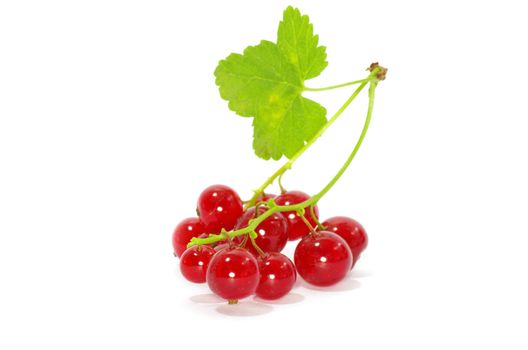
(246, 264)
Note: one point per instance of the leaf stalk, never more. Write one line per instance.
(372, 80)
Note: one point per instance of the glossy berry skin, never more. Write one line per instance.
(264, 197)
(233, 273)
(323, 258)
(272, 232)
(194, 262)
(296, 226)
(351, 231)
(277, 276)
(219, 207)
(186, 229)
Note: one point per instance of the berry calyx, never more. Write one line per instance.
(297, 228)
(277, 276)
(351, 231)
(194, 262)
(219, 208)
(186, 229)
(233, 273)
(272, 232)
(323, 258)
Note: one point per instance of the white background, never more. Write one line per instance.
(111, 125)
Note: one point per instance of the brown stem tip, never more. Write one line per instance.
(232, 301)
(382, 70)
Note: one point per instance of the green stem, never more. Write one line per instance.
(335, 86)
(252, 226)
(273, 208)
(290, 162)
(315, 218)
(306, 222)
(372, 89)
(282, 189)
(257, 248)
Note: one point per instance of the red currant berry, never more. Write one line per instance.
(219, 207)
(194, 262)
(277, 276)
(351, 231)
(187, 229)
(264, 197)
(272, 232)
(323, 258)
(233, 273)
(297, 228)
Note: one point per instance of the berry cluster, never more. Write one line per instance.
(240, 264)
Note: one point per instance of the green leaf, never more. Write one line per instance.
(258, 78)
(298, 42)
(266, 82)
(295, 124)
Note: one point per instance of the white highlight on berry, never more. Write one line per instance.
(262, 232)
(271, 276)
(291, 216)
(200, 263)
(231, 274)
(323, 259)
(220, 209)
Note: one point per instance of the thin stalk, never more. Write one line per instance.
(290, 162)
(273, 208)
(335, 86)
(372, 89)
